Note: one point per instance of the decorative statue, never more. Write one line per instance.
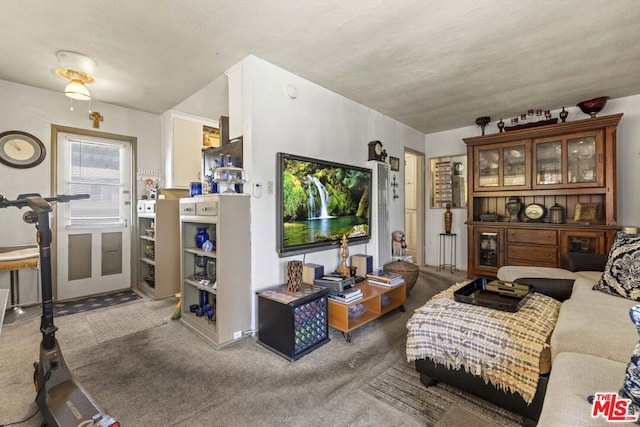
(294, 276)
(343, 269)
(397, 238)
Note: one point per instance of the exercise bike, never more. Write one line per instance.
(61, 399)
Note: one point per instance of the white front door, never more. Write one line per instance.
(93, 236)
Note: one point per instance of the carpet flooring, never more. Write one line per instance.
(168, 375)
(440, 405)
(94, 302)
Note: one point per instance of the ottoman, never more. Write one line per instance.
(502, 357)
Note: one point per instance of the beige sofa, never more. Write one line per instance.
(591, 346)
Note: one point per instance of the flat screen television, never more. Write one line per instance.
(318, 202)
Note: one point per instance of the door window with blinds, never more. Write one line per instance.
(96, 169)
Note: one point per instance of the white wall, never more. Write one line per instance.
(628, 169)
(210, 102)
(318, 124)
(33, 110)
(628, 157)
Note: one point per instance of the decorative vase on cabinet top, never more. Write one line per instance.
(513, 207)
(195, 189)
(556, 214)
(201, 236)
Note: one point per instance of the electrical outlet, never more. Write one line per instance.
(237, 335)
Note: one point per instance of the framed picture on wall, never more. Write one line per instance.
(394, 162)
(447, 181)
(210, 137)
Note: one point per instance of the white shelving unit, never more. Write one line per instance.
(227, 218)
(158, 251)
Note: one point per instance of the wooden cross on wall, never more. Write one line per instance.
(97, 118)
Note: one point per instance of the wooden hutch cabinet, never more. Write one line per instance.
(563, 164)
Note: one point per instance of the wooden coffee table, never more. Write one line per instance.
(372, 302)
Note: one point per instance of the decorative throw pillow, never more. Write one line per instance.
(631, 386)
(622, 273)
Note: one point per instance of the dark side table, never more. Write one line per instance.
(293, 324)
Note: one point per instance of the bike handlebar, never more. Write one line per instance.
(23, 199)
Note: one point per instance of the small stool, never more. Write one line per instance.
(13, 259)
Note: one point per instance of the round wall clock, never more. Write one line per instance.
(535, 212)
(21, 150)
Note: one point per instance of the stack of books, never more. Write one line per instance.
(346, 296)
(385, 278)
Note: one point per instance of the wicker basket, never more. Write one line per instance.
(407, 270)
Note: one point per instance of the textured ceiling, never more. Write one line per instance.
(431, 64)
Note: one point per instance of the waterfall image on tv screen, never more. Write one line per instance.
(320, 202)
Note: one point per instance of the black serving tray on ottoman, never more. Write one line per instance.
(505, 296)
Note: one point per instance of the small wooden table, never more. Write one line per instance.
(372, 301)
(13, 259)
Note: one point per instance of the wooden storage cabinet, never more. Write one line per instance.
(227, 221)
(372, 301)
(565, 164)
(158, 249)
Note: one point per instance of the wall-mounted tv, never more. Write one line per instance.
(318, 202)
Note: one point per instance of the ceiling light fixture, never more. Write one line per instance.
(77, 69)
(77, 90)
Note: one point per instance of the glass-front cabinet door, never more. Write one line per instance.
(570, 161)
(488, 165)
(515, 172)
(548, 162)
(581, 160)
(589, 242)
(488, 250)
(502, 167)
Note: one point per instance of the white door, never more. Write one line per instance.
(414, 205)
(93, 236)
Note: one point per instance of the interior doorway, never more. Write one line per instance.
(92, 237)
(414, 204)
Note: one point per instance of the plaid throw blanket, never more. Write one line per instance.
(500, 347)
